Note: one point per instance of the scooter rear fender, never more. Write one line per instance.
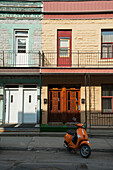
(85, 142)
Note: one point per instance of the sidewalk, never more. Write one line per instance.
(46, 141)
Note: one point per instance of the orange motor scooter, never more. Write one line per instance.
(78, 140)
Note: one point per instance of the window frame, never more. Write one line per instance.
(107, 43)
(105, 97)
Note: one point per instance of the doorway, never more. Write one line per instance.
(64, 104)
(64, 48)
(21, 49)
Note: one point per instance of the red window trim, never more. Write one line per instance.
(107, 45)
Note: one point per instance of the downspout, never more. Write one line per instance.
(85, 102)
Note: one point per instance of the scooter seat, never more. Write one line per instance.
(71, 132)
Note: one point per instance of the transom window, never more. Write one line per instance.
(107, 44)
(107, 98)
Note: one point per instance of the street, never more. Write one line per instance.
(54, 159)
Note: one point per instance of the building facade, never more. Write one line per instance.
(77, 63)
(56, 62)
(20, 47)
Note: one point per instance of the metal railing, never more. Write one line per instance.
(101, 119)
(53, 59)
(76, 59)
(14, 59)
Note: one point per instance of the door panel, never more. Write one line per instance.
(55, 105)
(21, 55)
(64, 48)
(30, 106)
(12, 109)
(73, 104)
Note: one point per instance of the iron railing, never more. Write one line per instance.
(53, 59)
(101, 119)
(14, 59)
(76, 59)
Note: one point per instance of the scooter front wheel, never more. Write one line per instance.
(85, 151)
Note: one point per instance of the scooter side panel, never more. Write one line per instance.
(68, 138)
(85, 142)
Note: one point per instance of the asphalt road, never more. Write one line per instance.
(54, 160)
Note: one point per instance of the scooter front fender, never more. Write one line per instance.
(85, 143)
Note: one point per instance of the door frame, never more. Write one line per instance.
(66, 34)
(23, 36)
(64, 90)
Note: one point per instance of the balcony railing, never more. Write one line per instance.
(77, 60)
(14, 59)
(53, 59)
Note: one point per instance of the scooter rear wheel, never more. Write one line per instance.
(85, 151)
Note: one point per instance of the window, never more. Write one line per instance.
(107, 44)
(107, 98)
(64, 49)
(21, 40)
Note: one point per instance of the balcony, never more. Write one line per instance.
(77, 60)
(14, 59)
(54, 60)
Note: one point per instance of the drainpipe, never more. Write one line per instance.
(85, 102)
(89, 100)
(40, 98)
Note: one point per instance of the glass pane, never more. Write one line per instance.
(63, 52)
(50, 95)
(107, 90)
(107, 36)
(109, 51)
(76, 95)
(107, 105)
(29, 98)
(11, 98)
(68, 105)
(21, 32)
(68, 95)
(76, 105)
(58, 105)
(22, 42)
(104, 50)
(58, 96)
(21, 45)
(64, 43)
(21, 51)
(50, 105)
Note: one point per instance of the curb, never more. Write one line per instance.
(49, 134)
(49, 149)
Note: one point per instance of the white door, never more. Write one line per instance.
(12, 105)
(30, 106)
(21, 55)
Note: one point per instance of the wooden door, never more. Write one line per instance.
(55, 106)
(64, 104)
(64, 48)
(73, 105)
